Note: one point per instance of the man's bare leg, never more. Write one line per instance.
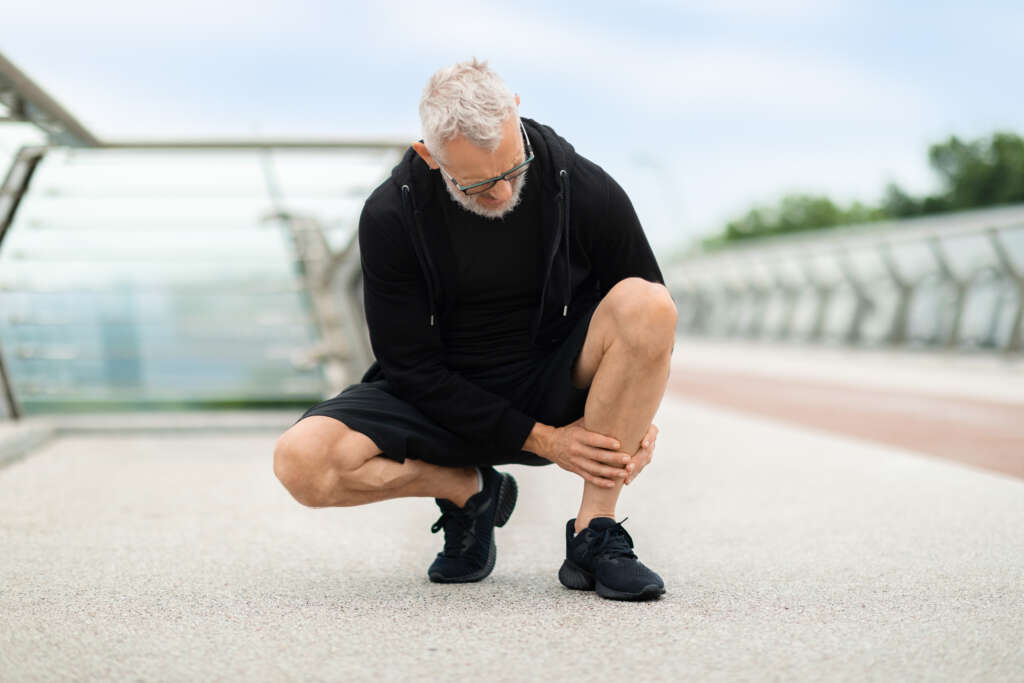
(323, 463)
(625, 361)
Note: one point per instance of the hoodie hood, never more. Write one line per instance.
(421, 194)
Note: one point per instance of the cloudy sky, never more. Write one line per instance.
(698, 109)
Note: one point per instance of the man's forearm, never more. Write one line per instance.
(538, 439)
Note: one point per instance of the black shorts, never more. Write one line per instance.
(544, 391)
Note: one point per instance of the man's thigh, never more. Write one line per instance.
(398, 428)
(401, 431)
(320, 438)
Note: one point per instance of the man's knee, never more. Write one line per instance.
(310, 460)
(645, 315)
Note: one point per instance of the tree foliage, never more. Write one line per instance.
(983, 172)
(798, 212)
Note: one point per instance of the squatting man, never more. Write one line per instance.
(517, 316)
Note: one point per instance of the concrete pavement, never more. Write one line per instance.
(787, 553)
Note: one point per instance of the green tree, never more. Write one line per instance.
(798, 212)
(982, 172)
(899, 204)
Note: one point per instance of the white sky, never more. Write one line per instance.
(699, 110)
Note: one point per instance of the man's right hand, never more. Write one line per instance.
(593, 456)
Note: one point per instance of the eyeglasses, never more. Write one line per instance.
(511, 174)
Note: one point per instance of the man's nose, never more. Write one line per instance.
(501, 191)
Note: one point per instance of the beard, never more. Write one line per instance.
(469, 203)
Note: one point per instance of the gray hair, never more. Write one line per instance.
(467, 98)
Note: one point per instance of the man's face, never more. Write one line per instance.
(469, 164)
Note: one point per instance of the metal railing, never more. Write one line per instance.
(13, 189)
(330, 277)
(951, 281)
(26, 101)
(333, 279)
(329, 280)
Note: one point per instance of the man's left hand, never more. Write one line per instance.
(643, 456)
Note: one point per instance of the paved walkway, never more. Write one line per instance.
(788, 553)
(949, 405)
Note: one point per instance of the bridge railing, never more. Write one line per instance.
(949, 281)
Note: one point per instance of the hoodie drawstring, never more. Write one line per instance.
(420, 247)
(427, 265)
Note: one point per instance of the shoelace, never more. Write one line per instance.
(456, 525)
(614, 541)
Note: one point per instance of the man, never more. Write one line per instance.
(518, 316)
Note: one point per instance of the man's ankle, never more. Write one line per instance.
(468, 484)
(583, 519)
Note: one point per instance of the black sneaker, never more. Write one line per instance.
(469, 550)
(601, 557)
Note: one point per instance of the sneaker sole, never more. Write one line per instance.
(478, 575)
(508, 494)
(575, 577)
(649, 592)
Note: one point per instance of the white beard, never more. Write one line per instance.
(470, 204)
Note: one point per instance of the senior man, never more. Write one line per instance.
(518, 316)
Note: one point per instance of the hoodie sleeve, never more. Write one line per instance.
(620, 247)
(409, 348)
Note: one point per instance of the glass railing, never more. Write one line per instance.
(13, 136)
(949, 281)
(147, 278)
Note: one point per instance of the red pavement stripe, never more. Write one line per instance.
(982, 433)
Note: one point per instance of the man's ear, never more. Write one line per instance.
(517, 99)
(421, 149)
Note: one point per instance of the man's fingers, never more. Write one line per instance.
(641, 460)
(642, 457)
(600, 441)
(652, 434)
(582, 450)
(600, 455)
(609, 473)
(597, 474)
(637, 463)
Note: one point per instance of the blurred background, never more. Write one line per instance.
(835, 192)
(182, 182)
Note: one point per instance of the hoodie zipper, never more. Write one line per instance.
(563, 177)
(427, 264)
(422, 253)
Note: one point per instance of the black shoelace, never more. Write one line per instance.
(457, 525)
(614, 541)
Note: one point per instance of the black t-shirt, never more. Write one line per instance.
(498, 285)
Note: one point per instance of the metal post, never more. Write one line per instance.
(904, 291)
(13, 190)
(349, 280)
(790, 295)
(1008, 267)
(315, 256)
(864, 304)
(959, 289)
(757, 296)
(823, 294)
(702, 305)
(11, 408)
(16, 183)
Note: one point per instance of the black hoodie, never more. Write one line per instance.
(592, 240)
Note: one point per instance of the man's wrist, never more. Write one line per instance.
(537, 440)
